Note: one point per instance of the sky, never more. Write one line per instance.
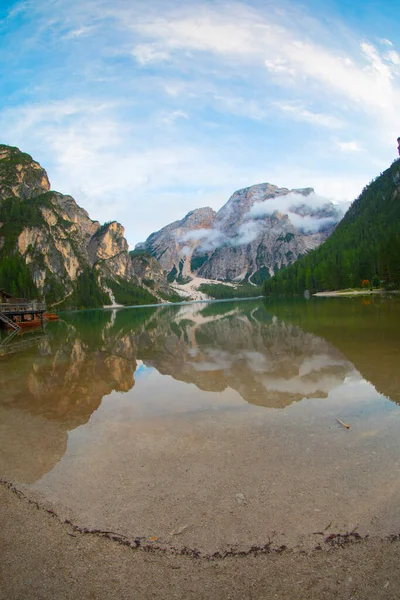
(143, 110)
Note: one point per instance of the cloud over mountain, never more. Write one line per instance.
(309, 215)
(260, 228)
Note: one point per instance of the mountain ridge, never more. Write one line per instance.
(248, 238)
(51, 248)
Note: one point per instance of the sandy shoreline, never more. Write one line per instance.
(45, 558)
(349, 293)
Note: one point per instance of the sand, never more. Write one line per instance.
(43, 558)
(349, 293)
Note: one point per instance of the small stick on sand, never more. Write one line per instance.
(344, 424)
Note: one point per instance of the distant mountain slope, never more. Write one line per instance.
(364, 246)
(260, 229)
(172, 247)
(50, 247)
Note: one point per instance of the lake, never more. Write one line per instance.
(211, 425)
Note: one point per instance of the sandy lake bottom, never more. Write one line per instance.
(211, 426)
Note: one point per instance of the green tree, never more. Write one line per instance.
(364, 244)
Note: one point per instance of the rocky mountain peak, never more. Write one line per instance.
(198, 218)
(108, 241)
(59, 248)
(260, 228)
(236, 210)
(20, 176)
(172, 245)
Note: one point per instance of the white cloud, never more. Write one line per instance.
(127, 149)
(376, 63)
(205, 239)
(175, 88)
(210, 31)
(285, 202)
(349, 146)
(247, 233)
(302, 114)
(111, 169)
(393, 57)
(19, 8)
(148, 53)
(250, 36)
(309, 224)
(243, 107)
(309, 213)
(386, 42)
(169, 118)
(77, 33)
(279, 65)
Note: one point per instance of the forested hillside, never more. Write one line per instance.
(223, 292)
(51, 249)
(363, 250)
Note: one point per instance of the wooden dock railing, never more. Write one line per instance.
(7, 307)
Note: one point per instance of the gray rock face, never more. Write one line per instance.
(63, 240)
(67, 241)
(260, 229)
(173, 245)
(20, 175)
(149, 272)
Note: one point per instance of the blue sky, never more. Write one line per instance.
(145, 109)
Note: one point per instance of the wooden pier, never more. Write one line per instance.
(18, 313)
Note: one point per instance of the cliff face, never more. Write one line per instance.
(259, 230)
(20, 175)
(109, 250)
(56, 245)
(174, 244)
(53, 236)
(149, 272)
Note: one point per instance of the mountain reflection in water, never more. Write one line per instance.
(271, 354)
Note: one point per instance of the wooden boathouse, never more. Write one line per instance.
(18, 313)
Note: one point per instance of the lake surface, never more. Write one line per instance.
(211, 425)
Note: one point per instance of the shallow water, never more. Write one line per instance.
(211, 425)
